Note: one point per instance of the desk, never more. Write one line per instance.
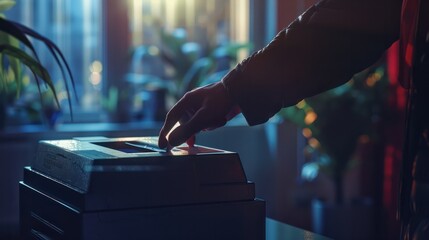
(276, 230)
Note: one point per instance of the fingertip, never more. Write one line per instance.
(162, 143)
(162, 139)
(175, 138)
(191, 141)
(175, 142)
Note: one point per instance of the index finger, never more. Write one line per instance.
(169, 123)
(199, 121)
(172, 117)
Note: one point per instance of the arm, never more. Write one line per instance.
(320, 50)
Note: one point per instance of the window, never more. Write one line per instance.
(131, 59)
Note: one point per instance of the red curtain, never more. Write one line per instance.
(394, 136)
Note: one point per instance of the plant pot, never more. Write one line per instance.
(347, 221)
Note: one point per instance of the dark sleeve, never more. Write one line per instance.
(323, 48)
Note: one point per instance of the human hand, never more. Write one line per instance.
(204, 108)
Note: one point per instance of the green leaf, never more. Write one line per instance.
(14, 63)
(6, 5)
(11, 28)
(55, 51)
(36, 68)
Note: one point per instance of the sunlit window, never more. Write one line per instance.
(133, 59)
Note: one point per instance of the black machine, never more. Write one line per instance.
(127, 188)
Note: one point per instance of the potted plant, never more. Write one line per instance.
(16, 49)
(175, 66)
(334, 124)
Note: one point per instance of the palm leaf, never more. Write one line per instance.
(20, 32)
(6, 4)
(55, 51)
(10, 28)
(12, 62)
(36, 68)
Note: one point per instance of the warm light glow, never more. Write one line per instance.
(314, 143)
(95, 78)
(153, 50)
(26, 80)
(310, 117)
(350, 83)
(137, 22)
(170, 15)
(306, 132)
(62, 96)
(96, 66)
(190, 15)
(301, 104)
(239, 30)
(372, 79)
(364, 138)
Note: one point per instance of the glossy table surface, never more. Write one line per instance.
(276, 230)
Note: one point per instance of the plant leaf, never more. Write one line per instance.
(10, 27)
(14, 63)
(36, 68)
(55, 51)
(18, 30)
(53, 48)
(6, 5)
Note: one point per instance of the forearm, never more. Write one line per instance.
(320, 50)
